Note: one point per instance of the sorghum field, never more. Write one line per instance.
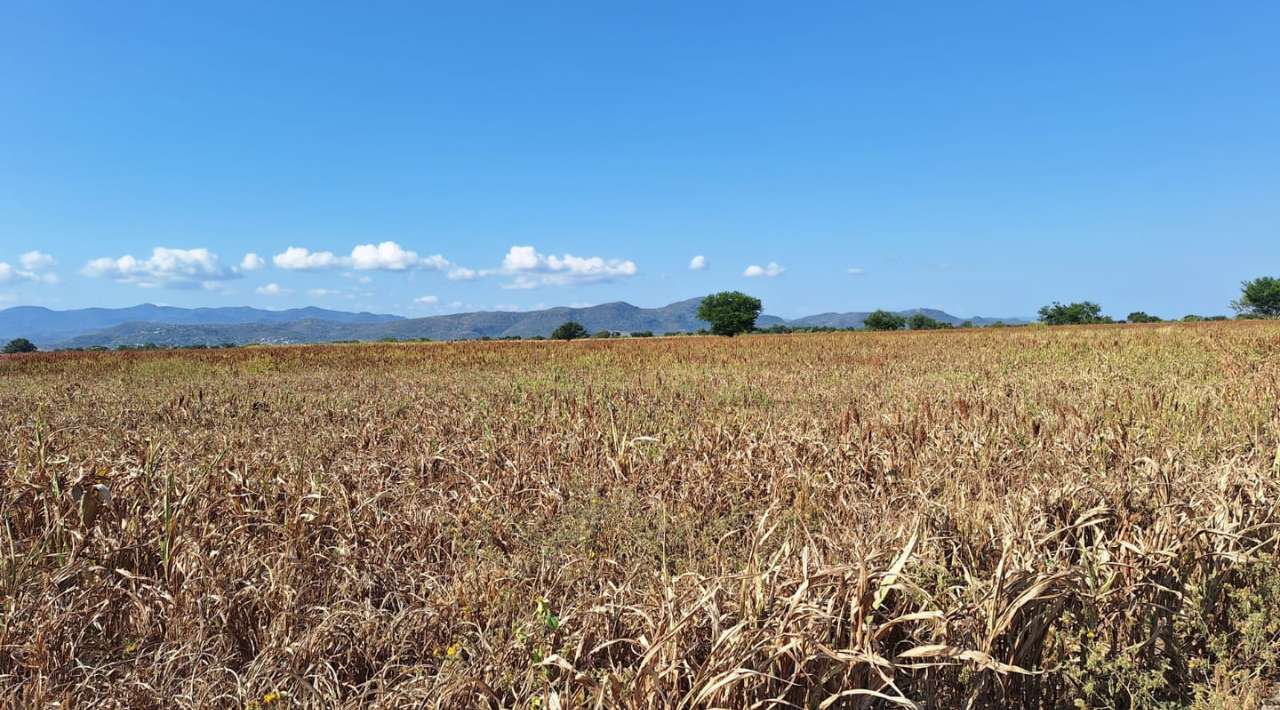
(1023, 517)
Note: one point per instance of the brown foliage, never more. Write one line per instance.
(1022, 517)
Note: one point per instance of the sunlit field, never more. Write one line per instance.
(1020, 517)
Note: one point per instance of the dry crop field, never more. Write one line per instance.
(1029, 517)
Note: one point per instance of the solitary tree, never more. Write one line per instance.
(1259, 298)
(1072, 313)
(920, 321)
(20, 345)
(570, 330)
(1142, 317)
(884, 320)
(730, 312)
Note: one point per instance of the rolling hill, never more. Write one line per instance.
(45, 326)
(169, 326)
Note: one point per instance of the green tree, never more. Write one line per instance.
(602, 334)
(920, 321)
(20, 345)
(730, 312)
(1072, 313)
(1259, 298)
(570, 330)
(1142, 317)
(884, 320)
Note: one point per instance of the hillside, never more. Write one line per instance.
(45, 326)
(314, 325)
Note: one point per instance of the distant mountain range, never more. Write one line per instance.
(169, 326)
(44, 326)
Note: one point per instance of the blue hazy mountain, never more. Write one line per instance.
(169, 326)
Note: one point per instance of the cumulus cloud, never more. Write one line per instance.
(36, 261)
(427, 300)
(174, 268)
(772, 269)
(698, 263)
(272, 289)
(31, 268)
(252, 262)
(462, 273)
(384, 256)
(9, 274)
(301, 259)
(530, 269)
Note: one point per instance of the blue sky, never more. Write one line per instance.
(983, 158)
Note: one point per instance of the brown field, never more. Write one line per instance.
(1029, 517)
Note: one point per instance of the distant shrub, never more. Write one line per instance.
(920, 321)
(1141, 317)
(20, 345)
(569, 330)
(642, 334)
(1082, 313)
(884, 320)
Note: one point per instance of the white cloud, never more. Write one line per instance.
(36, 261)
(175, 268)
(530, 269)
(300, 259)
(771, 270)
(427, 300)
(322, 292)
(8, 273)
(698, 263)
(272, 289)
(389, 256)
(462, 273)
(857, 270)
(384, 256)
(32, 269)
(252, 262)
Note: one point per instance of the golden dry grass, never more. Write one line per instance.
(1021, 517)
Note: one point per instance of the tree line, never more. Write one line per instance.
(732, 313)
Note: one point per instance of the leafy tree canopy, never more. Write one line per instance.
(1081, 313)
(20, 345)
(570, 330)
(1259, 297)
(1142, 317)
(884, 320)
(730, 312)
(920, 321)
